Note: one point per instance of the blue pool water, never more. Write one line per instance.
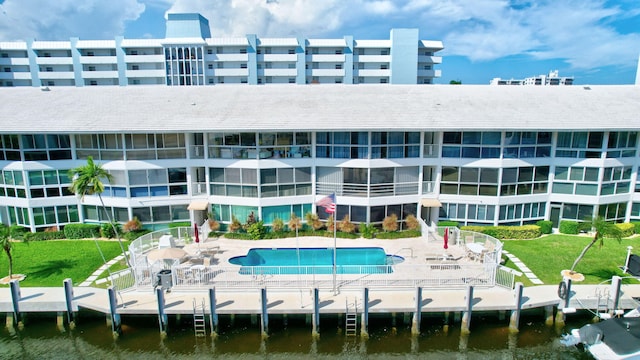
(316, 261)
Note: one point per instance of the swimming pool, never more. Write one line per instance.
(368, 260)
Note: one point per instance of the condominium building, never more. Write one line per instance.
(189, 56)
(553, 78)
(474, 154)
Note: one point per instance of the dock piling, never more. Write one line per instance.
(214, 315)
(466, 316)
(264, 321)
(162, 316)
(68, 295)
(116, 326)
(514, 321)
(616, 283)
(15, 299)
(364, 325)
(417, 313)
(315, 319)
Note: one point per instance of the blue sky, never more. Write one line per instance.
(595, 41)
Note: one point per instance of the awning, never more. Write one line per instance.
(198, 205)
(430, 203)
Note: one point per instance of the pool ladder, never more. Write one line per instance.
(351, 318)
(199, 322)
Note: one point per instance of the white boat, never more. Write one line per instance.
(611, 339)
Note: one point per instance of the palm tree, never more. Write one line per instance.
(603, 229)
(88, 180)
(7, 246)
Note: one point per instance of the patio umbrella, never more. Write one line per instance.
(196, 233)
(166, 253)
(446, 238)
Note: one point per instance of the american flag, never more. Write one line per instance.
(328, 203)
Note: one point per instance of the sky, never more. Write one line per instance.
(594, 41)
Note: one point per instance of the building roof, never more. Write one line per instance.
(317, 107)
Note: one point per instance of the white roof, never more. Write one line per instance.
(318, 107)
(51, 45)
(96, 44)
(141, 43)
(373, 43)
(239, 41)
(278, 42)
(183, 41)
(13, 45)
(326, 43)
(432, 44)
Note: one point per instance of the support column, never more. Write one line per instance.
(68, 295)
(548, 315)
(264, 323)
(364, 325)
(514, 322)
(116, 326)
(162, 316)
(563, 307)
(315, 318)
(417, 313)
(214, 315)
(466, 316)
(15, 299)
(616, 283)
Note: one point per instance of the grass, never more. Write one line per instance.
(548, 255)
(48, 263)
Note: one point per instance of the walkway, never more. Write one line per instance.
(94, 276)
(525, 270)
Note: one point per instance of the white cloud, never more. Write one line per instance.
(62, 19)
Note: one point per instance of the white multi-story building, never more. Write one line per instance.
(473, 154)
(188, 55)
(552, 78)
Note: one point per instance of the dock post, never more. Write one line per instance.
(214, 315)
(15, 299)
(364, 325)
(616, 283)
(68, 295)
(315, 319)
(565, 303)
(162, 316)
(264, 321)
(116, 326)
(417, 313)
(466, 316)
(548, 315)
(514, 321)
(445, 326)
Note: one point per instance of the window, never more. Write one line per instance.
(243, 66)
(338, 66)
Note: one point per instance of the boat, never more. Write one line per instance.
(611, 339)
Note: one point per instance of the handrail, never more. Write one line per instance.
(404, 248)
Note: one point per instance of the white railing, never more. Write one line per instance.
(146, 242)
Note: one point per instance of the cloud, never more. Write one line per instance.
(62, 19)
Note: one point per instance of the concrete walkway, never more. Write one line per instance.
(94, 276)
(525, 270)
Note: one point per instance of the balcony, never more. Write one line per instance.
(333, 58)
(427, 73)
(278, 58)
(14, 61)
(148, 73)
(325, 72)
(24, 75)
(372, 58)
(54, 61)
(372, 72)
(227, 57)
(230, 72)
(98, 60)
(430, 59)
(53, 75)
(278, 72)
(144, 58)
(110, 74)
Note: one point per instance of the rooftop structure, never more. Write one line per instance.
(188, 55)
(551, 79)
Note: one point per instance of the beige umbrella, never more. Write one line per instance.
(166, 253)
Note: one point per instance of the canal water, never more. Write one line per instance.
(290, 338)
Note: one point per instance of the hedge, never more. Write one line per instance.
(44, 235)
(626, 229)
(449, 223)
(81, 231)
(17, 232)
(636, 224)
(132, 235)
(569, 227)
(507, 232)
(398, 234)
(546, 226)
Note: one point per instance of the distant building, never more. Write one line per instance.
(551, 79)
(188, 56)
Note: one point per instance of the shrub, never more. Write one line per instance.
(626, 229)
(17, 232)
(507, 232)
(256, 230)
(132, 225)
(45, 235)
(132, 235)
(294, 223)
(313, 221)
(330, 224)
(636, 224)
(277, 225)
(569, 227)
(235, 225)
(399, 234)
(546, 226)
(390, 223)
(177, 224)
(367, 231)
(106, 230)
(346, 226)
(411, 222)
(448, 223)
(81, 231)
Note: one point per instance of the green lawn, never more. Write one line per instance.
(549, 255)
(48, 263)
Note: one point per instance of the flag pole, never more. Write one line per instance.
(335, 225)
